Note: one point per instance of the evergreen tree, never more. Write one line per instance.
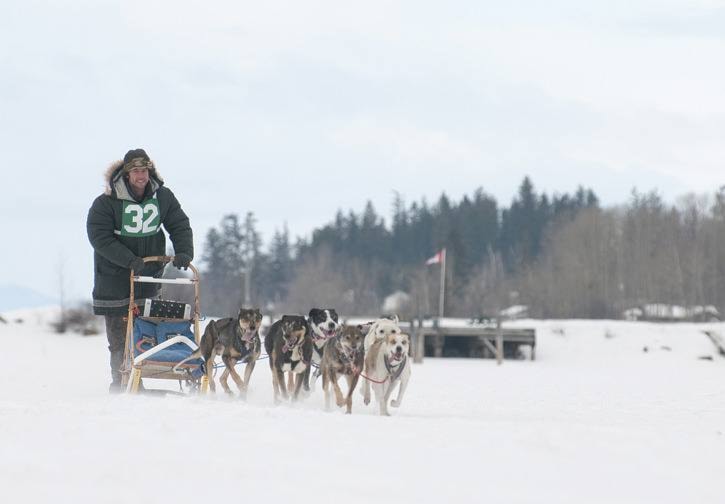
(373, 242)
(521, 228)
(223, 263)
(250, 248)
(279, 272)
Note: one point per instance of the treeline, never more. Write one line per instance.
(357, 260)
(561, 255)
(604, 261)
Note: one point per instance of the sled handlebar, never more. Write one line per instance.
(165, 260)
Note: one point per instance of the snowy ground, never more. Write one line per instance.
(594, 419)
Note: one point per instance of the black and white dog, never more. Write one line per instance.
(324, 325)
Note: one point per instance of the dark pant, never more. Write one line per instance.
(116, 334)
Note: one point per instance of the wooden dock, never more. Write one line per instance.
(492, 337)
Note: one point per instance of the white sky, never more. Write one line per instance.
(293, 110)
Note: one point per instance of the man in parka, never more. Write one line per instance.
(124, 225)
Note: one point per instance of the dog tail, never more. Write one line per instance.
(196, 354)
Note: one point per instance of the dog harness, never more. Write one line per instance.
(348, 359)
(243, 343)
(317, 339)
(288, 348)
(287, 359)
(394, 370)
(318, 350)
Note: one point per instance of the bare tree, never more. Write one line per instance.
(484, 293)
(317, 284)
(576, 276)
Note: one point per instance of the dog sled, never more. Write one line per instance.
(161, 334)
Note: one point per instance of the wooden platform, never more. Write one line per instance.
(493, 337)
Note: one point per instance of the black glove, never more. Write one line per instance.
(182, 260)
(137, 265)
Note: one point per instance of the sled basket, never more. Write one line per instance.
(160, 334)
(159, 344)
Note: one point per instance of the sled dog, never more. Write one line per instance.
(343, 355)
(324, 325)
(289, 347)
(386, 362)
(376, 331)
(387, 365)
(235, 340)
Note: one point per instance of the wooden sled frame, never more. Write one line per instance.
(135, 368)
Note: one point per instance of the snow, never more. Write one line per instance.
(594, 419)
(661, 312)
(515, 311)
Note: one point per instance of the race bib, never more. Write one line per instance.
(140, 219)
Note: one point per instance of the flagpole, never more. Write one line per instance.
(441, 297)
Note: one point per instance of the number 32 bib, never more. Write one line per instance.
(140, 219)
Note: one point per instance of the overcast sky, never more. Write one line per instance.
(294, 109)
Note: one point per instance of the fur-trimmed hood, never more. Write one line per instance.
(115, 185)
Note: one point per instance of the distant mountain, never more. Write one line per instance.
(13, 297)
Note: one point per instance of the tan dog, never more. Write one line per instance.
(387, 365)
(377, 331)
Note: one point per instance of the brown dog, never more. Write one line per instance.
(343, 355)
(235, 340)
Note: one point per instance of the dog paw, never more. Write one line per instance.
(394, 403)
(366, 400)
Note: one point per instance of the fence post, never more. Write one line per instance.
(418, 341)
(499, 341)
(438, 339)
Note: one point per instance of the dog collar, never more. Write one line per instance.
(246, 342)
(348, 356)
(394, 370)
(324, 337)
(349, 359)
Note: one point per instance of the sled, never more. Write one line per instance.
(159, 335)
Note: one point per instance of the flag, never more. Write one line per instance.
(436, 259)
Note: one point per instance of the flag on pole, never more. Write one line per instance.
(436, 259)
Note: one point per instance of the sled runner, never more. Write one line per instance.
(160, 334)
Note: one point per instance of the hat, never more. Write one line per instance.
(135, 153)
(134, 158)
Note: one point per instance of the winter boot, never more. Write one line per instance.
(116, 334)
(116, 361)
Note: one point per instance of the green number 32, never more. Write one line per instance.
(140, 219)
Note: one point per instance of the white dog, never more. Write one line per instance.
(386, 362)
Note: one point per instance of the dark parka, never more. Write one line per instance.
(115, 249)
